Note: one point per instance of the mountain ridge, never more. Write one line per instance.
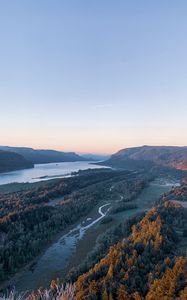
(42, 156)
(164, 156)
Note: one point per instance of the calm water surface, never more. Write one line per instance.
(46, 172)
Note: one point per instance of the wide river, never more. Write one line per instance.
(46, 172)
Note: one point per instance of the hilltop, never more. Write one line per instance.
(36, 156)
(150, 156)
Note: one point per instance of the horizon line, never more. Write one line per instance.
(90, 152)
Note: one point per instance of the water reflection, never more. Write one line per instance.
(46, 172)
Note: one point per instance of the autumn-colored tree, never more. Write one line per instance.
(111, 297)
(183, 294)
(167, 260)
(55, 283)
(93, 288)
(126, 276)
(139, 267)
(122, 293)
(110, 272)
(105, 295)
(166, 287)
(136, 296)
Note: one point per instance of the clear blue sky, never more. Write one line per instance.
(93, 76)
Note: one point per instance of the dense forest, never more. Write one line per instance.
(144, 266)
(29, 220)
(140, 259)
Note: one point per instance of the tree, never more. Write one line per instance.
(122, 293)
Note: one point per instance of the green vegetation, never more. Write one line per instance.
(140, 259)
(123, 206)
(17, 187)
(143, 266)
(106, 220)
(28, 220)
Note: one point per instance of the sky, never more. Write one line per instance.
(93, 76)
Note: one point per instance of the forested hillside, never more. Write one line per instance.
(147, 157)
(144, 266)
(10, 161)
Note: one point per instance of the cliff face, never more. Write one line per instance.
(165, 156)
(10, 161)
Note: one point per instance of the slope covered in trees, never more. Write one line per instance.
(149, 157)
(146, 263)
(143, 266)
(10, 161)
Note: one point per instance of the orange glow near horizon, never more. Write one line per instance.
(89, 140)
(99, 145)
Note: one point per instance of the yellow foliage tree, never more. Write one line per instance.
(105, 295)
(122, 293)
(165, 287)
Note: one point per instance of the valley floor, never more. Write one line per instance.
(70, 249)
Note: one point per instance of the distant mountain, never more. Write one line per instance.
(44, 156)
(95, 157)
(10, 161)
(149, 156)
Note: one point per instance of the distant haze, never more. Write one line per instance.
(93, 76)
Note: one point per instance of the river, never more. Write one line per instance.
(46, 172)
(72, 247)
(50, 264)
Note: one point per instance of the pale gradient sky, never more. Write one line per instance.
(93, 76)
